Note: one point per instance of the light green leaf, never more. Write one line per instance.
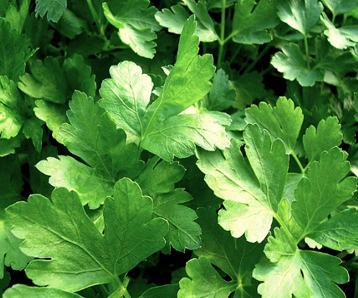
(46, 81)
(323, 189)
(327, 135)
(159, 177)
(300, 15)
(136, 24)
(178, 135)
(14, 51)
(283, 121)
(340, 6)
(340, 38)
(204, 281)
(22, 291)
(11, 109)
(205, 29)
(250, 200)
(93, 137)
(173, 19)
(222, 95)
(126, 96)
(131, 235)
(187, 83)
(291, 62)
(53, 8)
(251, 21)
(339, 232)
(236, 257)
(67, 172)
(53, 114)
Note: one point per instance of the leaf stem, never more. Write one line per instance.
(222, 33)
(95, 16)
(297, 161)
(307, 53)
(258, 58)
(233, 56)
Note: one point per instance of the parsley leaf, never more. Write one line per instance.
(130, 236)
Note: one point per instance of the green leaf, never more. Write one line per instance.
(327, 135)
(159, 177)
(323, 189)
(339, 232)
(299, 273)
(340, 38)
(10, 188)
(236, 257)
(53, 114)
(250, 199)
(204, 281)
(251, 21)
(14, 51)
(157, 180)
(11, 109)
(53, 8)
(92, 136)
(291, 62)
(7, 146)
(340, 6)
(47, 81)
(283, 121)
(131, 235)
(178, 135)
(22, 291)
(205, 28)
(300, 15)
(222, 95)
(126, 96)
(16, 14)
(187, 83)
(175, 19)
(136, 24)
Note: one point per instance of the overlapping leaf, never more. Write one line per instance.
(130, 236)
(160, 127)
(340, 6)
(136, 24)
(22, 291)
(52, 8)
(92, 136)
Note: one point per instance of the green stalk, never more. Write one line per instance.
(307, 53)
(298, 161)
(222, 33)
(95, 16)
(258, 58)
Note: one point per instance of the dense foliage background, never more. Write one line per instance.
(178, 148)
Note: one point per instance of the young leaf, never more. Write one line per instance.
(283, 121)
(136, 24)
(131, 235)
(205, 281)
(14, 51)
(126, 96)
(291, 62)
(22, 291)
(251, 21)
(53, 8)
(300, 15)
(327, 135)
(250, 199)
(93, 137)
(222, 95)
(340, 38)
(323, 189)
